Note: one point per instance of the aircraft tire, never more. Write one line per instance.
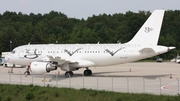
(87, 72)
(69, 73)
(90, 72)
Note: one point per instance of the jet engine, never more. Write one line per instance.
(42, 67)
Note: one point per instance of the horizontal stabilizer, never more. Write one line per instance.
(172, 48)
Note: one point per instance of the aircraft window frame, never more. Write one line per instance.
(13, 51)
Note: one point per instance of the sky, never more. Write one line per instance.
(86, 8)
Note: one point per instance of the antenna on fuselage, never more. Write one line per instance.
(118, 42)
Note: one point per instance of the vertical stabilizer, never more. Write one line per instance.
(149, 32)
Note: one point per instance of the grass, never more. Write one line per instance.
(37, 93)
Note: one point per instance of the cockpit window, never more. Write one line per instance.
(13, 51)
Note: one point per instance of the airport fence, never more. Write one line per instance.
(130, 84)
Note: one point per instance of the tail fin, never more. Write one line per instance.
(149, 32)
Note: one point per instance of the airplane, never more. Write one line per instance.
(43, 58)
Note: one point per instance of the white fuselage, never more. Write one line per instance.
(99, 54)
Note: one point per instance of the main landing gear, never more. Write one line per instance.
(87, 72)
(69, 74)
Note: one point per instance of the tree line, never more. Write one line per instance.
(55, 27)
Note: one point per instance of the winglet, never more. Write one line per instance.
(149, 32)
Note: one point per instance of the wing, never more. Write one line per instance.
(54, 58)
(72, 62)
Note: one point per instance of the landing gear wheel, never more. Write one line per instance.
(69, 74)
(90, 72)
(87, 72)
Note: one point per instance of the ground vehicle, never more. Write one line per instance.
(178, 59)
(159, 59)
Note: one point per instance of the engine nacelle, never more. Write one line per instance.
(42, 67)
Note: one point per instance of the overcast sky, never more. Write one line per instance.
(86, 8)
